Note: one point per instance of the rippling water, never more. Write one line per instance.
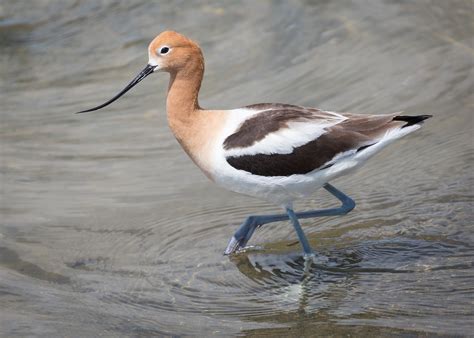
(108, 229)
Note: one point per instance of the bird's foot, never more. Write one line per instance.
(240, 239)
(233, 246)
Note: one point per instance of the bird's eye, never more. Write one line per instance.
(164, 50)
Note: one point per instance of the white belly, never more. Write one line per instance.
(280, 190)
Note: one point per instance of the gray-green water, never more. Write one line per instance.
(108, 229)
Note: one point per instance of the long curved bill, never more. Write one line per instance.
(143, 74)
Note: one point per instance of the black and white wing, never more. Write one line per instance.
(285, 140)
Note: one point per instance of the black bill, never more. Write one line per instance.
(143, 74)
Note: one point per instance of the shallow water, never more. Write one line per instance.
(107, 228)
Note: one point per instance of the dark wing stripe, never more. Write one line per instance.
(272, 118)
(303, 159)
(257, 127)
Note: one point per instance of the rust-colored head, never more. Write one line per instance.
(171, 52)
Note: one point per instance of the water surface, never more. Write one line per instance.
(107, 228)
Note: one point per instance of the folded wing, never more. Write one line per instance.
(285, 140)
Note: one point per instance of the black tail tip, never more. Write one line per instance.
(411, 120)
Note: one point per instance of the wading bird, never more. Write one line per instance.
(273, 151)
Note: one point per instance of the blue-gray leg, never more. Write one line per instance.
(246, 230)
(301, 236)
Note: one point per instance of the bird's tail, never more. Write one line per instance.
(411, 120)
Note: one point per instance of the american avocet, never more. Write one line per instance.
(277, 152)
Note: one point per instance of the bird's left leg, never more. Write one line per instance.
(247, 228)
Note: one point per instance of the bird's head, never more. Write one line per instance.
(169, 52)
(172, 52)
